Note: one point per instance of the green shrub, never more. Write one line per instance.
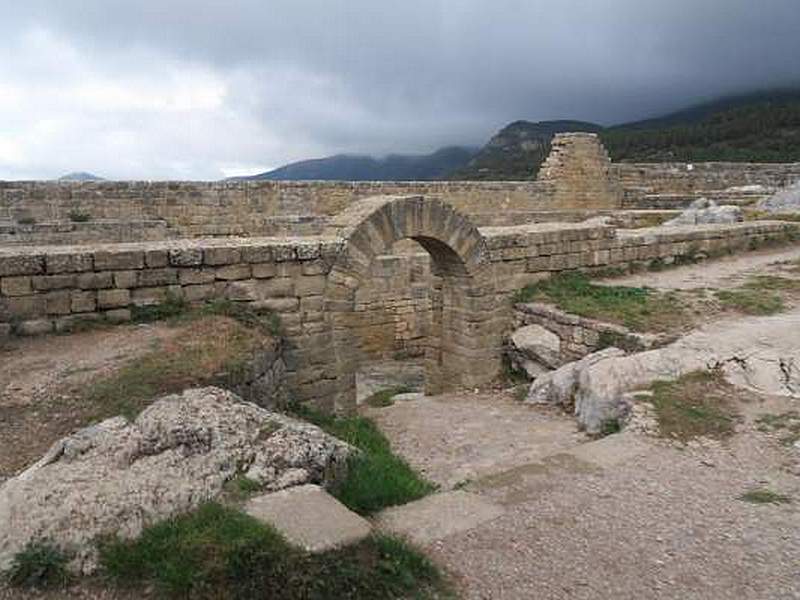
(77, 216)
(38, 565)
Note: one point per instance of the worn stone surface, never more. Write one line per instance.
(438, 516)
(535, 350)
(309, 517)
(560, 386)
(704, 211)
(117, 477)
(762, 354)
(785, 200)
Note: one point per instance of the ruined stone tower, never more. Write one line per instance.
(580, 172)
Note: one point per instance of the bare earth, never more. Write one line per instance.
(720, 273)
(628, 516)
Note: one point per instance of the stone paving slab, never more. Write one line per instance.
(437, 516)
(309, 517)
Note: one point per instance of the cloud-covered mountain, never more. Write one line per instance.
(395, 167)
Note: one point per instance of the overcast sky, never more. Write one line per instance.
(201, 89)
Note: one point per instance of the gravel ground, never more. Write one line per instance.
(629, 516)
(720, 273)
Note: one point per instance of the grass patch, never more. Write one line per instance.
(764, 496)
(759, 295)
(384, 398)
(212, 350)
(26, 221)
(218, 552)
(609, 427)
(377, 478)
(750, 301)
(640, 309)
(787, 424)
(696, 405)
(77, 216)
(38, 565)
(240, 488)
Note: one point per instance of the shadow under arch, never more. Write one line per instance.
(463, 348)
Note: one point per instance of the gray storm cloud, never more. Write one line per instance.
(203, 89)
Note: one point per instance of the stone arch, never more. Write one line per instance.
(463, 349)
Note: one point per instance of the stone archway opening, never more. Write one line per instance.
(462, 341)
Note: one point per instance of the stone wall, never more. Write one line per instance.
(580, 171)
(674, 185)
(246, 208)
(580, 336)
(43, 289)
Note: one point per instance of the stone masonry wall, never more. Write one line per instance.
(674, 185)
(580, 171)
(248, 208)
(43, 289)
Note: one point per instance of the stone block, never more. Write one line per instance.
(186, 257)
(233, 272)
(125, 279)
(95, 281)
(196, 293)
(118, 260)
(113, 298)
(256, 254)
(148, 296)
(45, 283)
(308, 517)
(221, 256)
(196, 276)
(83, 301)
(68, 263)
(264, 270)
(155, 277)
(21, 264)
(310, 285)
(58, 303)
(118, 315)
(34, 327)
(156, 258)
(16, 286)
(279, 305)
(20, 307)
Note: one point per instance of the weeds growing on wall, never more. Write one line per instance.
(39, 565)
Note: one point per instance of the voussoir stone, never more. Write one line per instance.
(117, 477)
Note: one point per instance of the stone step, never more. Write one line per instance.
(438, 516)
(308, 517)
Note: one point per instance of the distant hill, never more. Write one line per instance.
(760, 127)
(517, 150)
(394, 167)
(80, 176)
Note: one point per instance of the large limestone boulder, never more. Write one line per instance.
(762, 354)
(703, 211)
(786, 200)
(535, 350)
(560, 386)
(117, 476)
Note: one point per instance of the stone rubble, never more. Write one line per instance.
(704, 211)
(116, 477)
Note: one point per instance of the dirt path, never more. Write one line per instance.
(627, 516)
(38, 376)
(719, 273)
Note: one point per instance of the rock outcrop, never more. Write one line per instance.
(762, 354)
(117, 477)
(703, 211)
(535, 350)
(786, 200)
